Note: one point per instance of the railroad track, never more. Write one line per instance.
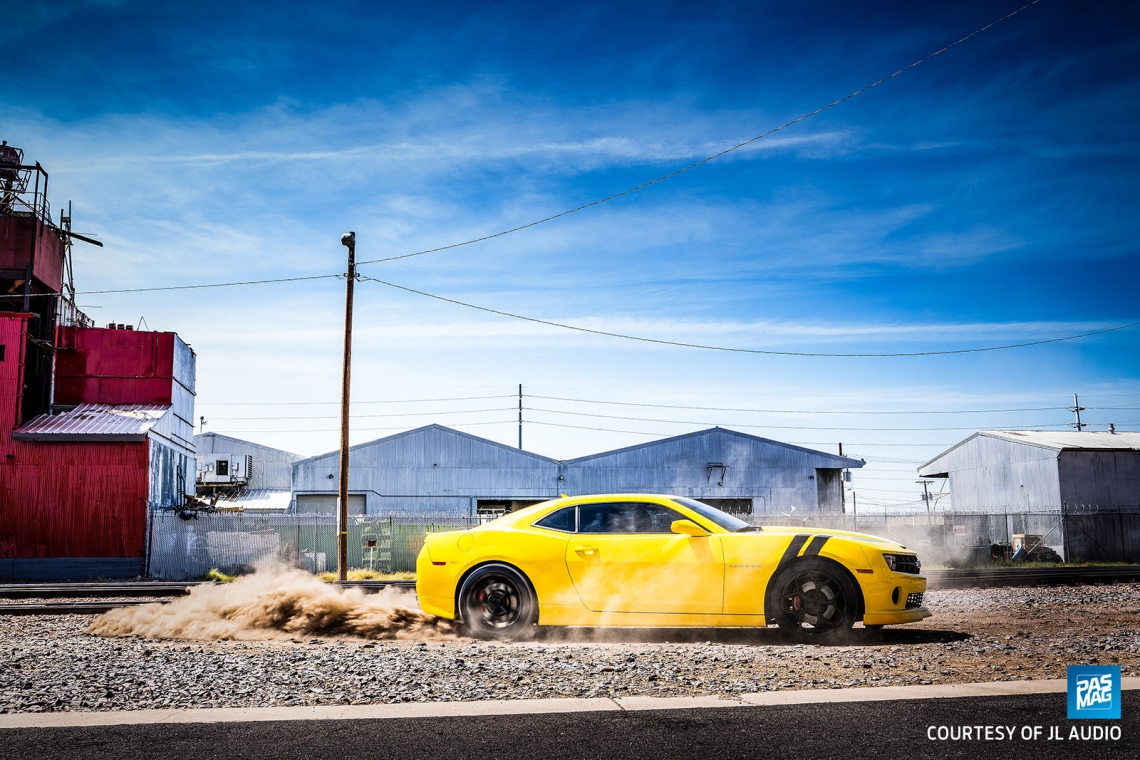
(937, 579)
(143, 588)
(1030, 576)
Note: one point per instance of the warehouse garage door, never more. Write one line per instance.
(325, 504)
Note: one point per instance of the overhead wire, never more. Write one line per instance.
(778, 427)
(707, 159)
(730, 349)
(614, 196)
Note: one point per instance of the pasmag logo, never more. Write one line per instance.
(1094, 692)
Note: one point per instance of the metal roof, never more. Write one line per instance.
(94, 423)
(840, 462)
(1057, 440)
(258, 498)
(1069, 439)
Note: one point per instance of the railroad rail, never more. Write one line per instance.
(143, 588)
(937, 579)
(994, 577)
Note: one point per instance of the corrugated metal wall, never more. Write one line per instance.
(431, 461)
(12, 337)
(95, 365)
(1105, 478)
(74, 500)
(993, 474)
(776, 476)
(272, 468)
(436, 468)
(16, 233)
(171, 474)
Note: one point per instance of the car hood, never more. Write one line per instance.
(875, 542)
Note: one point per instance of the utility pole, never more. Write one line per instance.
(926, 495)
(842, 486)
(520, 415)
(349, 241)
(1076, 409)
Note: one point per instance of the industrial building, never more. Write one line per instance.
(1040, 470)
(95, 423)
(435, 469)
(1084, 487)
(243, 474)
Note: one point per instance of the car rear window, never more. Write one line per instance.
(563, 519)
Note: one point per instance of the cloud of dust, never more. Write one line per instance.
(277, 603)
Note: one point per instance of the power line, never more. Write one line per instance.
(354, 403)
(361, 430)
(208, 285)
(615, 196)
(681, 344)
(671, 435)
(365, 416)
(799, 411)
(777, 427)
(713, 157)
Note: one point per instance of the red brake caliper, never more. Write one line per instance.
(797, 603)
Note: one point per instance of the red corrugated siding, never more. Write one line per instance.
(16, 247)
(74, 500)
(99, 366)
(12, 337)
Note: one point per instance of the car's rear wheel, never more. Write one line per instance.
(814, 601)
(497, 602)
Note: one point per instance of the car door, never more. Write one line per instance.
(625, 558)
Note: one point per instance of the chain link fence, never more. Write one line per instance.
(182, 549)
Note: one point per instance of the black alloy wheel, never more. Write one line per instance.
(496, 602)
(814, 601)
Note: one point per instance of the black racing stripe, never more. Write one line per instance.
(815, 545)
(793, 550)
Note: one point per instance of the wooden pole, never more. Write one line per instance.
(349, 240)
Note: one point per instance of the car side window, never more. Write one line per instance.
(565, 519)
(626, 517)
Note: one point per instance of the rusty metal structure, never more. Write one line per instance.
(95, 423)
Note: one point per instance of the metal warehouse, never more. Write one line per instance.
(1026, 470)
(438, 469)
(242, 473)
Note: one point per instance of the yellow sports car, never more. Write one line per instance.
(648, 560)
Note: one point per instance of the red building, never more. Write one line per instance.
(96, 424)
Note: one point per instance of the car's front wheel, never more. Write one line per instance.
(814, 601)
(497, 602)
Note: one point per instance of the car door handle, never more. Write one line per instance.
(586, 549)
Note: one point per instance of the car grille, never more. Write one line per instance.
(907, 563)
(913, 601)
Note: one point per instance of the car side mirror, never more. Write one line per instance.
(688, 528)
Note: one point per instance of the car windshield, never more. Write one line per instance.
(723, 519)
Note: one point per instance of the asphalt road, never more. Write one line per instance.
(851, 730)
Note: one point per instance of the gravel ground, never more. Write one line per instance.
(49, 663)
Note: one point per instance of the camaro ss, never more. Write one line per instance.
(650, 560)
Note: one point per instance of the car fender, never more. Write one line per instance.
(832, 558)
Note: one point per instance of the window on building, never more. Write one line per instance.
(222, 467)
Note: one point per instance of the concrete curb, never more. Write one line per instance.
(534, 706)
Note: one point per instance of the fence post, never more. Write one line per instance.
(1120, 531)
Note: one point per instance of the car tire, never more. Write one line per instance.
(814, 601)
(496, 601)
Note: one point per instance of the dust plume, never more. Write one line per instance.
(276, 603)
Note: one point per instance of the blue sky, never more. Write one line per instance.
(986, 197)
